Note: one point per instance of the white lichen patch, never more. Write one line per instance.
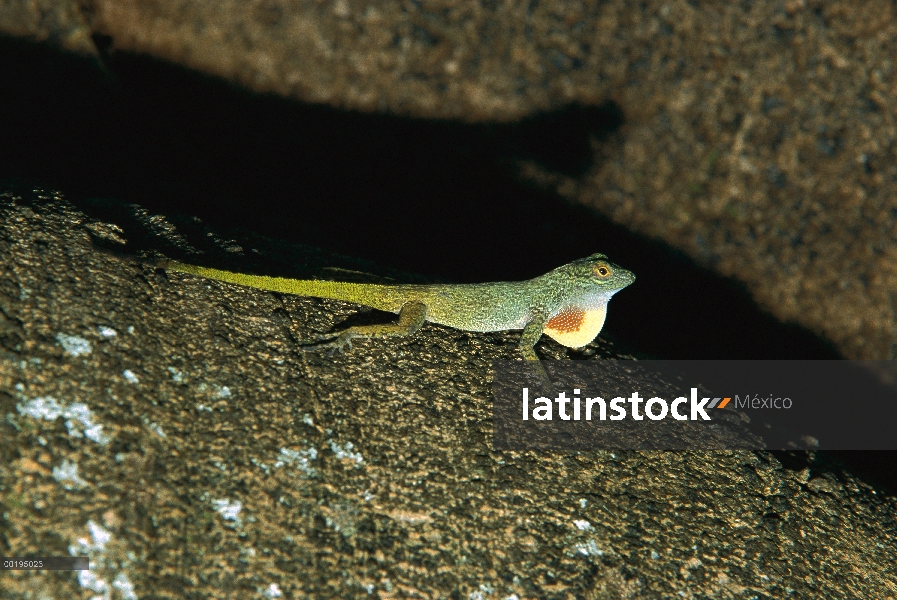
(299, 459)
(229, 510)
(124, 586)
(93, 582)
(100, 536)
(176, 376)
(79, 419)
(73, 344)
(44, 407)
(67, 474)
(589, 548)
(95, 547)
(223, 392)
(582, 525)
(79, 413)
(345, 452)
(107, 332)
(484, 590)
(272, 591)
(97, 542)
(130, 377)
(157, 429)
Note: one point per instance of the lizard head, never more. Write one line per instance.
(598, 273)
(582, 290)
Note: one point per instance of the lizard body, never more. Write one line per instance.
(568, 304)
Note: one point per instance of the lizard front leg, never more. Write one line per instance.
(411, 317)
(531, 334)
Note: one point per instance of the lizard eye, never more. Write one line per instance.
(602, 271)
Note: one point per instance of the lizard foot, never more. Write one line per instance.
(543, 381)
(340, 342)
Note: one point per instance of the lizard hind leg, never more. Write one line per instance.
(411, 317)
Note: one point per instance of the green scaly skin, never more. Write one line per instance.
(583, 285)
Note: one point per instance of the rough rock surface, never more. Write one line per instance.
(60, 22)
(764, 144)
(168, 427)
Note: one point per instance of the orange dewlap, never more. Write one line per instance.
(574, 327)
(567, 321)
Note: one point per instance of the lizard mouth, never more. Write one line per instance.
(623, 278)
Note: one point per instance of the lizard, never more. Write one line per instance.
(569, 303)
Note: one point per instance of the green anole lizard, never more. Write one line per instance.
(568, 304)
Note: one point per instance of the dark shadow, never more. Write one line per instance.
(432, 197)
(874, 467)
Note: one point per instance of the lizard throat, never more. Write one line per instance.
(575, 327)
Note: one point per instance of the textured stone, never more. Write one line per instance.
(228, 464)
(60, 22)
(762, 143)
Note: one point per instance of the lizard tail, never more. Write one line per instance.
(382, 297)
